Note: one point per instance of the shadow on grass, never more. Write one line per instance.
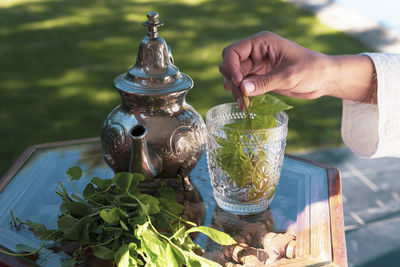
(58, 60)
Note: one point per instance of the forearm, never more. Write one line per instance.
(351, 77)
(374, 130)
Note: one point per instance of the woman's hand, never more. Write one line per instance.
(267, 62)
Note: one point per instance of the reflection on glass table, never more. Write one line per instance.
(307, 204)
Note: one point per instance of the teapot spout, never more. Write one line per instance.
(142, 161)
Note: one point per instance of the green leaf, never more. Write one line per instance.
(240, 125)
(78, 208)
(89, 190)
(167, 192)
(180, 235)
(41, 230)
(128, 182)
(63, 209)
(137, 220)
(123, 225)
(267, 104)
(194, 260)
(73, 232)
(77, 198)
(103, 197)
(84, 236)
(123, 213)
(133, 262)
(121, 257)
(152, 202)
(164, 220)
(133, 259)
(123, 180)
(95, 229)
(157, 249)
(102, 252)
(102, 184)
(145, 208)
(79, 231)
(264, 122)
(74, 173)
(136, 179)
(217, 236)
(171, 205)
(110, 216)
(132, 247)
(263, 107)
(38, 228)
(25, 248)
(64, 222)
(179, 255)
(188, 244)
(116, 244)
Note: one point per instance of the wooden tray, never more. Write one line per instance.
(307, 201)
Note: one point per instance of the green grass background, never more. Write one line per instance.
(58, 59)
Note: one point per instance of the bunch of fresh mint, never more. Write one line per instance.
(114, 220)
(239, 153)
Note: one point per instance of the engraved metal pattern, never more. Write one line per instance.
(153, 95)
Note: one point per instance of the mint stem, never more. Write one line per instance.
(249, 120)
(31, 253)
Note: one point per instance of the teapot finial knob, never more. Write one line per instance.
(153, 23)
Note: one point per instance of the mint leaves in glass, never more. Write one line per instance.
(245, 151)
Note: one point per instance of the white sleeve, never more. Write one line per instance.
(374, 130)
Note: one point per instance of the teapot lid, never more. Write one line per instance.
(154, 72)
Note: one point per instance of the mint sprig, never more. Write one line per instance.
(114, 220)
(239, 153)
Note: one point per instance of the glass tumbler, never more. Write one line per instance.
(244, 165)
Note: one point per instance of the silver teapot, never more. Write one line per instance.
(154, 131)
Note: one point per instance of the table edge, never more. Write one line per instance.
(338, 239)
(22, 159)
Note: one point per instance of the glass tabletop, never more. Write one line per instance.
(300, 205)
